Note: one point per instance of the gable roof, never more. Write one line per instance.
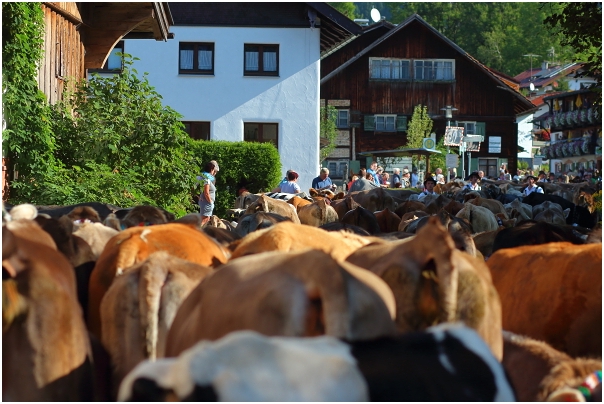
(504, 82)
(544, 77)
(335, 27)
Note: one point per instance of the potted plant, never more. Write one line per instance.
(577, 147)
(559, 150)
(583, 115)
(549, 121)
(558, 118)
(585, 146)
(590, 115)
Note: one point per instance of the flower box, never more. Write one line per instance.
(585, 146)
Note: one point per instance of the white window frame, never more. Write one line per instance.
(392, 65)
(437, 68)
(384, 125)
(343, 121)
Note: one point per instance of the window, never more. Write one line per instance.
(433, 70)
(391, 69)
(261, 132)
(342, 119)
(385, 123)
(469, 127)
(261, 60)
(489, 166)
(423, 70)
(196, 58)
(198, 130)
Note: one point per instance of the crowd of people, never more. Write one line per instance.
(375, 176)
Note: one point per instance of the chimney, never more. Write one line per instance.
(544, 65)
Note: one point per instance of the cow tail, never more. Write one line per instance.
(152, 279)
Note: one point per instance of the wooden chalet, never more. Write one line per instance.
(376, 80)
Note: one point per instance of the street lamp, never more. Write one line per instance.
(449, 115)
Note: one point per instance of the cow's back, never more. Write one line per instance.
(552, 292)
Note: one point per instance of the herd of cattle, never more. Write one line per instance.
(367, 296)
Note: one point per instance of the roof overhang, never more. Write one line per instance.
(105, 24)
(336, 28)
(406, 152)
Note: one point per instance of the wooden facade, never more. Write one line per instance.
(479, 94)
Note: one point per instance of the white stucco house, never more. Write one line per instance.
(247, 72)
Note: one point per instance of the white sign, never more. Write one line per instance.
(453, 135)
(452, 160)
(494, 144)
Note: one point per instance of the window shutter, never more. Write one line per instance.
(480, 128)
(401, 123)
(369, 123)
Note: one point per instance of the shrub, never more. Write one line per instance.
(255, 166)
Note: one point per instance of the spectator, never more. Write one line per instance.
(440, 179)
(396, 176)
(429, 184)
(406, 179)
(552, 178)
(372, 170)
(291, 186)
(414, 177)
(352, 180)
(323, 181)
(542, 177)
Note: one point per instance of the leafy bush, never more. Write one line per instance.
(114, 132)
(255, 166)
(598, 204)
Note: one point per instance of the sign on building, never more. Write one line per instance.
(494, 144)
(452, 160)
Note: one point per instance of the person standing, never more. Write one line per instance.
(207, 196)
(532, 187)
(414, 177)
(473, 184)
(323, 181)
(396, 177)
(542, 177)
(372, 170)
(291, 186)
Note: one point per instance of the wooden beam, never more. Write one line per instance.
(105, 24)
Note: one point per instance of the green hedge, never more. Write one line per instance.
(256, 166)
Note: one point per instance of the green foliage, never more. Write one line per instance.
(27, 141)
(328, 131)
(118, 125)
(598, 204)
(419, 127)
(498, 34)
(523, 165)
(257, 166)
(580, 24)
(346, 8)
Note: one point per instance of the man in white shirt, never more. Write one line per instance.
(473, 184)
(531, 186)
(429, 184)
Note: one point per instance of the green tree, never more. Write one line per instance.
(328, 131)
(419, 127)
(346, 8)
(497, 34)
(580, 24)
(118, 125)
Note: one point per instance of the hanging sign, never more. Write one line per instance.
(453, 135)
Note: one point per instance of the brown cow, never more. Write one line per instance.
(298, 202)
(305, 293)
(270, 205)
(552, 292)
(491, 204)
(96, 235)
(387, 220)
(46, 353)
(343, 206)
(150, 293)
(135, 244)
(288, 236)
(317, 213)
(539, 372)
(364, 218)
(144, 215)
(433, 282)
(409, 206)
(375, 199)
(481, 219)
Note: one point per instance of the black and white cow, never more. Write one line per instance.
(448, 362)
